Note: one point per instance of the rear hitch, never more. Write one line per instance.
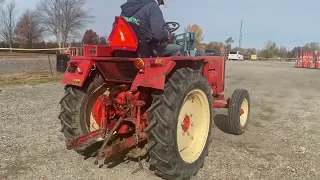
(101, 152)
(106, 134)
(87, 138)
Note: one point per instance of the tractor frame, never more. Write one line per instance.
(143, 100)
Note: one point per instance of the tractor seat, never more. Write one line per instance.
(126, 40)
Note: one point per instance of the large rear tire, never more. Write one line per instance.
(181, 120)
(75, 104)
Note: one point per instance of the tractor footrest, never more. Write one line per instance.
(79, 141)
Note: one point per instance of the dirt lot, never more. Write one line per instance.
(281, 142)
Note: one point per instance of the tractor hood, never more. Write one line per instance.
(132, 6)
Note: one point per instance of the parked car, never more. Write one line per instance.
(235, 55)
(212, 52)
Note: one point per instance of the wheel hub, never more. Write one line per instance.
(244, 112)
(186, 124)
(241, 111)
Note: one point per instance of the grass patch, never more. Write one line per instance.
(29, 78)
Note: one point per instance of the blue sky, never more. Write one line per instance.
(287, 22)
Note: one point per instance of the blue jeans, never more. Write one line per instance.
(167, 50)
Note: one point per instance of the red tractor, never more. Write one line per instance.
(121, 98)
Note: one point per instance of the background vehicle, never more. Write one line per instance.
(121, 98)
(212, 52)
(235, 55)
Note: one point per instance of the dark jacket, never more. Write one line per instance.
(148, 16)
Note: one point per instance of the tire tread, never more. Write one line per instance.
(162, 154)
(234, 111)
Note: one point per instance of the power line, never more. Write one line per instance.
(240, 39)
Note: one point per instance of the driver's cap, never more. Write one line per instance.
(165, 3)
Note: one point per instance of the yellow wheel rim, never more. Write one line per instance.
(193, 125)
(244, 115)
(93, 125)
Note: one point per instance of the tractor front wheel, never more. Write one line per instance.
(181, 120)
(239, 111)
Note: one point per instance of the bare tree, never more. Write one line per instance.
(63, 18)
(8, 22)
(27, 30)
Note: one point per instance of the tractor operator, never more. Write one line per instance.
(147, 15)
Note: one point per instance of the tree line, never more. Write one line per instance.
(62, 19)
(270, 50)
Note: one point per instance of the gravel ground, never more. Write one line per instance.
(281, 141)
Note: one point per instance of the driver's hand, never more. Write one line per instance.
(169, 37)
(167, 32)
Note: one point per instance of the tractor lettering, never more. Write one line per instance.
(132, 20)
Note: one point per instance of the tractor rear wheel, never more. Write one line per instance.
(181, 120)
(239, 111)
(76, 110)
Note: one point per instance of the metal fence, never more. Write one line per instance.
(32, 61)
(27, 63)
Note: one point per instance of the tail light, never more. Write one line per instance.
(72, 67)
(139, 64)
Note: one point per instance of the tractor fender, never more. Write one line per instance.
(77, 72)
(153, 77)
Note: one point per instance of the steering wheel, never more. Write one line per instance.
(175, 26)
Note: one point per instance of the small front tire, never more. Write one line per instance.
(239, 111)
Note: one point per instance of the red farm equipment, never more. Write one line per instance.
(118, 98)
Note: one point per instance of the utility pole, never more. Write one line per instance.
(240, 38)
